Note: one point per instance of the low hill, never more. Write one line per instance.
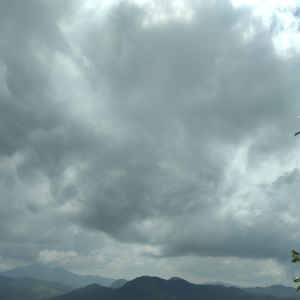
(56, 274)
(154, 288)
(90, 292)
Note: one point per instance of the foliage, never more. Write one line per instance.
(296, 258)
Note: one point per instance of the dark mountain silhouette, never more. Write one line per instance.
(33, 288)
(90, 292)
(154, 288)
(176, 278)
(56, 274)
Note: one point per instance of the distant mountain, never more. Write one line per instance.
(224, 284)
(154, 288)
(275, 290)
(32, 288)
(56, 274)
(118, 283)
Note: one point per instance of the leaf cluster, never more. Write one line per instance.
(296, 259)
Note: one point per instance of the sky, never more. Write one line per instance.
(151, 138)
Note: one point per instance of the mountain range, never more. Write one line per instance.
(154, 288)
(56, 274)
(275, 290)
(39, 281)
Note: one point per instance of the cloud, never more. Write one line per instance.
(143, 129)
(48, 256)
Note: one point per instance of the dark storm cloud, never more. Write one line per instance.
(156, 134)
(191, 90)
(29, 35)
(29, 117)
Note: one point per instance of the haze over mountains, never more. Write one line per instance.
(56, 274)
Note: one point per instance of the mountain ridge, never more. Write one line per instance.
(155, 288)
(40, 272)
(56, 274)
(275, 290)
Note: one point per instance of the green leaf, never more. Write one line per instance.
(296, 256)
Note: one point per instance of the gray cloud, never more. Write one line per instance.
(174, 137)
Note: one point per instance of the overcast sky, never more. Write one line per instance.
(151, 138)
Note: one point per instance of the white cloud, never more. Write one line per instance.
(49, 256)
(278, 16)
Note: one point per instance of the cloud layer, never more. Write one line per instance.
(168, 135)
